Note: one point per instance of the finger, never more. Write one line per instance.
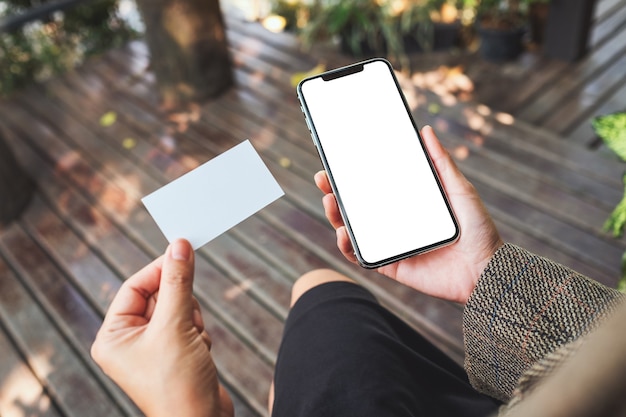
(133, 297)
(176, 287)
(198, 321)
(345, 245)
(322, 182)
(435, 148)
(440, 156)
(151, 303)
(206, 339)
(448, 171)
(331, 210)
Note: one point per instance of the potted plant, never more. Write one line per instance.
(445, 15)
(501, 25)
(415, 26)
(364, 28)
(428, 25)
(289, 11)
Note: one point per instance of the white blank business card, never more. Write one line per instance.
(207, 201)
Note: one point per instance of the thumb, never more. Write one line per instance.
(176, 287)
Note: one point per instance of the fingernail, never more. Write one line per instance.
(180, 250)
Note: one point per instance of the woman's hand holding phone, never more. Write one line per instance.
(450, 272)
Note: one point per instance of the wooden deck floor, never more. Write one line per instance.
(86, 230)
(554, 95)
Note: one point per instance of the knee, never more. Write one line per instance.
(313, 279)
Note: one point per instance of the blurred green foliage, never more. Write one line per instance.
(60, 41)
(612, 130)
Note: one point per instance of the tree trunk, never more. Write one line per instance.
(188, 48)
(16, 187)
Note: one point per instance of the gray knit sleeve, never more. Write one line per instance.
(524, 307)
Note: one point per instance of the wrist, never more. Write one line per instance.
(187, 401)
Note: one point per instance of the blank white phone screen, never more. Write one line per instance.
(384, 182)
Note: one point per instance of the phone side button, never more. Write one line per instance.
(319, 154)
(308, 124)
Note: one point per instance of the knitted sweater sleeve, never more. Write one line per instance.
(523, 308)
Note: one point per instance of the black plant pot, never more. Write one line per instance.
(445, 36)
(501, 45)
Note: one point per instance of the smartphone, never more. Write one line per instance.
(389, 195)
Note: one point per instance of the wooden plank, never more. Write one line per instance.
(583, 133)
(90, 274)
(583, 100)
(512, 98)
(22, 394)
(611, 20)
(529, 185)
(281, 50)
(518, 96)
(589, 67)
(604, 9)
(478, 121)
(67, 378)
(499, 147)
(68, 303)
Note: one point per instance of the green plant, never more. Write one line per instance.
(438, 6)
(414, 22)
(612, 130)
(58, 42)
(501, 14)
(291, 11)
(362, 25)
